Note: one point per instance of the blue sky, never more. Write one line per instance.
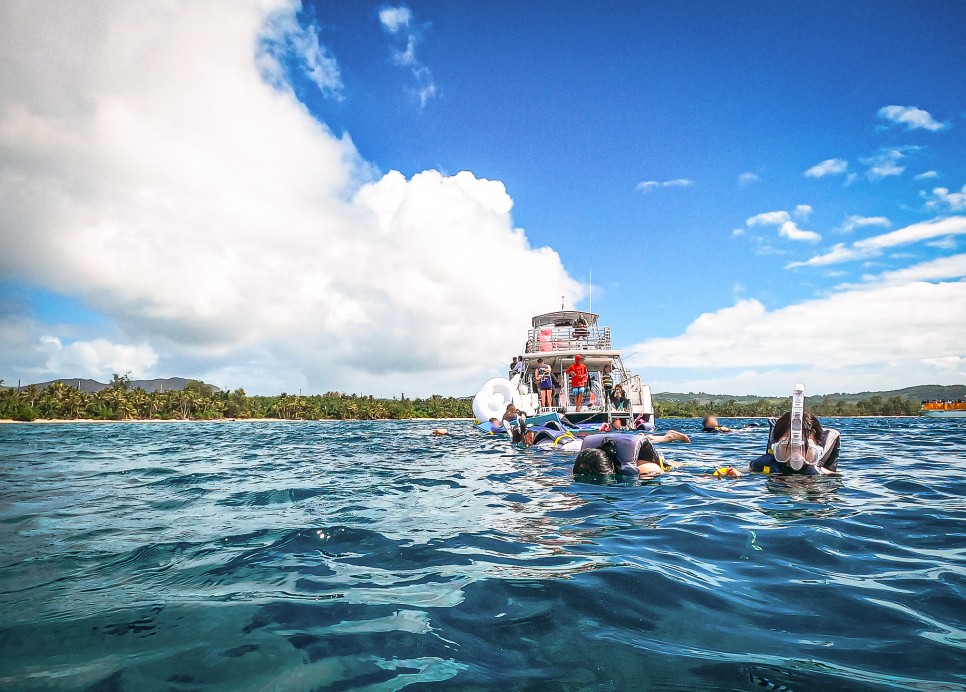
(728, 172)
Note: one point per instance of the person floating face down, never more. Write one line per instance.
(799, 445)
(605, 459)
(579, 376)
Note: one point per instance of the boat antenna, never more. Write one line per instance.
(591, 290)
(562, 302)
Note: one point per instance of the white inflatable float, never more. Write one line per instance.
(491, 401)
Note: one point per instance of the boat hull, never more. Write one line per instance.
(945, 414)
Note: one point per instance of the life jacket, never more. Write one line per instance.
(628, 449)
(831, 444)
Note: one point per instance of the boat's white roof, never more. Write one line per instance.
(592, 358)
(564, 318)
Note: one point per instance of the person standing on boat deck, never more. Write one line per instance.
(544, 383)
(520, 367)
(607, 381)
(581, 331)
(579, 377)
(513, 368)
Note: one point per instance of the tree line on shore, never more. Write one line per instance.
(873, 406)
(199, 401)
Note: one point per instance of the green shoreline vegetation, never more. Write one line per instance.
(199, 401)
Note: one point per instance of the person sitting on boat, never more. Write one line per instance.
(515, 418)
(543, 376)
(619, 400)
(579, 376)
(619, 454)
(710, 424)
(798, 444)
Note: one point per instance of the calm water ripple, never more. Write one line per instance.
(329, 555)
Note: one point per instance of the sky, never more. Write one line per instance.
(366, 197)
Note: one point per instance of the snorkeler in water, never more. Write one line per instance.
(603, 454)
(710, 424)
(798, 444)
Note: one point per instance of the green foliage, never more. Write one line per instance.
(199, 401)
(763, 408)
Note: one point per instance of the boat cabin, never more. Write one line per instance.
(558, 337)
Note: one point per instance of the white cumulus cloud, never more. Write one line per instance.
(857, 221)
(942, 199)
(911, 117)
(648, 185)
(856, 338)
(283, 40)
(787, 227)
(98, 358)
(748, 178)
(399, 25)
(148, 169)
(886, 162)
(394, 19)
(827, 167)
(874, 245)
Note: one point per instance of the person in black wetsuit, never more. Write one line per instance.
(710, 424)
(818, 455)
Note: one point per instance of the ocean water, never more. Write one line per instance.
(324, 555)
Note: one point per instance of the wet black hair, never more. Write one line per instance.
(596, 462)
(811, 427)
(647, 452)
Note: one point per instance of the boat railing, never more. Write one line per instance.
(547, 339)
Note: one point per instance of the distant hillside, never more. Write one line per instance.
(91, 386)
(921, 392)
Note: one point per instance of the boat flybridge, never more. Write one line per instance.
(558, 337)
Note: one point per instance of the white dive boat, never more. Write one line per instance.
(558, 337)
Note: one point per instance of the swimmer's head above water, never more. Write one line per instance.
(797, 438)
(799, 444)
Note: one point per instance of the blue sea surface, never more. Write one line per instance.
(371, 555)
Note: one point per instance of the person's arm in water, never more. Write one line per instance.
(669, 436)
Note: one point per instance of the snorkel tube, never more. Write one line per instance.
(791, 451)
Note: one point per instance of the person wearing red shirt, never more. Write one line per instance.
(578, 380)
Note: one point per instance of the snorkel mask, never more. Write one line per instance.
(795, 450)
